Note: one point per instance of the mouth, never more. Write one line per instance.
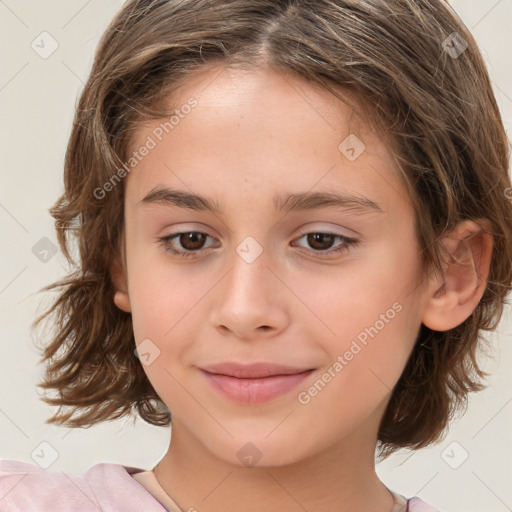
(255, 383)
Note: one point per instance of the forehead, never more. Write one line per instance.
(263, 129)
(268, 95)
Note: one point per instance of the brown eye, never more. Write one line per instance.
(191, 242)
(320, 243)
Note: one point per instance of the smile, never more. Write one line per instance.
(256, 389)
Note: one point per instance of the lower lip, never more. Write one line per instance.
(255, 391)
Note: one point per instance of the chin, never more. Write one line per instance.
(256, 451)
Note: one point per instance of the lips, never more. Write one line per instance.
(255, 383)
(252, 371)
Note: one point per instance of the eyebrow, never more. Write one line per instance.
(282, 203)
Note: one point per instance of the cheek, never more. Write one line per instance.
(373, 316)
(365, 292)
(364, 366)
(164, 296)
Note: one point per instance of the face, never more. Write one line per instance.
(266, 269)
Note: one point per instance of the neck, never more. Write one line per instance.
(340, 478)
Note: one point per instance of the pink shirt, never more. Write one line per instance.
(104, 487)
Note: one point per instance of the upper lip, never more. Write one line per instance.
(254, 370)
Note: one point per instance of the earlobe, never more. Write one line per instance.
(454, 295)
(121, 297)
(122, 301)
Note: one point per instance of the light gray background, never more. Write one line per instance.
(37, 101)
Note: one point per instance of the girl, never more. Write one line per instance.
(216, 145)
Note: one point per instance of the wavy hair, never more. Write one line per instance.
(437, 108)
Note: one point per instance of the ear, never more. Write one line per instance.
(455, 294)
(119, 279)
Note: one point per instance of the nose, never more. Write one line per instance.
(251, 300)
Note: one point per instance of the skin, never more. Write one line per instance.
(251, 135)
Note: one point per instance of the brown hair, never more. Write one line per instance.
(437, 107)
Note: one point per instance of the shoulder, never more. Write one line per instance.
(106, 487)
(418, 505)
(25, 486)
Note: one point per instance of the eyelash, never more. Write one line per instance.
(345, 246)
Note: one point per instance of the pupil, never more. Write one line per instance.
(315, 237)
(191, 240)
(195, 240)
